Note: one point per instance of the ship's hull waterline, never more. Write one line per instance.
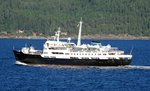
(38, 60)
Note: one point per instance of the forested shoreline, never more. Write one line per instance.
(103, 17)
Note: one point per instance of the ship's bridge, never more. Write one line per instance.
(49, 44)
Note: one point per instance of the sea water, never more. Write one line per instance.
(134, 77)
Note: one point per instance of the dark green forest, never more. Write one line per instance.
(131, 17)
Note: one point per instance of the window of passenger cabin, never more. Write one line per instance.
(47, 44)
(111, 53)
(45, 52)
(57, 53)
(66, 53)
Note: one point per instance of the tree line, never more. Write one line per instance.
(131, 17)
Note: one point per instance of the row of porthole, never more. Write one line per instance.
(82, 54)
(74, 53)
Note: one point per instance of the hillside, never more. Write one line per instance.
(43, 17)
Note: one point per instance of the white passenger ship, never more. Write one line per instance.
(56, 52)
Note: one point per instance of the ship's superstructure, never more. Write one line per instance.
(68, 53)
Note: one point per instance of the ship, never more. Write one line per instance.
(58, 52)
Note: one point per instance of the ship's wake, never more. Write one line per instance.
(124, 67)
(84, 67)
(137, 67)
(20, 63)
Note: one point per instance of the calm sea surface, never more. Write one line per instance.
(135, 77)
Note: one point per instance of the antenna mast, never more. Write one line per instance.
(58, 34)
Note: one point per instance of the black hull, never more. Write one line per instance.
(38, 60)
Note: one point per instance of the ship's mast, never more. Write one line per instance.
(79, 35)
(58, 34)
